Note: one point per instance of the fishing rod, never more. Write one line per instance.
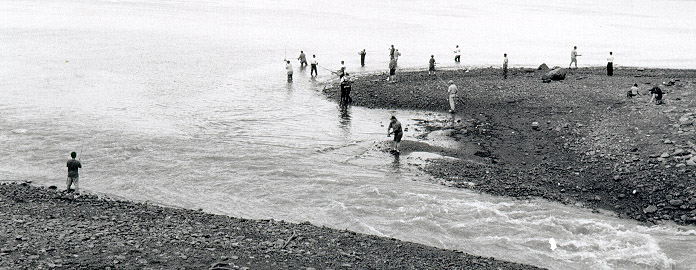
(82, 146)
(334, 72)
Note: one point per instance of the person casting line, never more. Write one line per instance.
(395, 127)
(73, 175)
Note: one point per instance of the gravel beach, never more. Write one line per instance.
(577, 141)
(42, 228)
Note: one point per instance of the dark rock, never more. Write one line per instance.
(554, 75)
(543, 67)
(482, 153)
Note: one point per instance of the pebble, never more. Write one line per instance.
(676, 202)
(650, 209)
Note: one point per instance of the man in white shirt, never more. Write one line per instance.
(313, 72)
(288, 69)
(342, 71)
(610, 64)
(574, 57)
(457, 54)
(452, 92)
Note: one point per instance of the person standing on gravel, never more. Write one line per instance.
(610, 64)
(73, 175)
(395, 128)
(362, 57)
(452, 92)
(505, 65)
(392, 70)
(574, 57)
(431, 66)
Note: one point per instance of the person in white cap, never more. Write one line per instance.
(452, 91)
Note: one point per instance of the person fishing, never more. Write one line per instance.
(73, 175)
(313, 71)
(452, 92)
(362, 57)
(431, 65)
(392, 70)
(288, 69)
(341, 71)
(505, 65)
(303, 59)
(395, 128)
(346, 87)
(574, 57)
(610, 64)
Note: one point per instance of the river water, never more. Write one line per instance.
(185, 103)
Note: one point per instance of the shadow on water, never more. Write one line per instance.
(396, 163)
(344, 119)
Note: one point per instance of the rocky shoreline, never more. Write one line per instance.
(42, 228)
(577, 141)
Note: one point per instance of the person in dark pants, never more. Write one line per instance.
(395, 128)
(288, 69)
(505, 65)
(362, 57)
(610, 64)
(303, 59)
(656, 93)
(392, 70)
(73, 175)
(457, 54)
(313, 72)
(346, 87)
(431, 66)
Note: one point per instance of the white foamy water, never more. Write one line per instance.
(185, 103)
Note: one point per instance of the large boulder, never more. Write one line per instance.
(554, 75)
(543, 67)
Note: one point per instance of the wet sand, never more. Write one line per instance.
(593, 147)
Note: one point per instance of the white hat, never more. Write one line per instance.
(450, 82)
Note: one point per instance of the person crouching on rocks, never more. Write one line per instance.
(656, 93)
(633, 92)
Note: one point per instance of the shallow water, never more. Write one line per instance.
(185, 104)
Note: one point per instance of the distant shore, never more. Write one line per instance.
(593, 146)
(41, 228)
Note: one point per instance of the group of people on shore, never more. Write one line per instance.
(574, 60)
(394, 55)
(655, 94)
(452, 90)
